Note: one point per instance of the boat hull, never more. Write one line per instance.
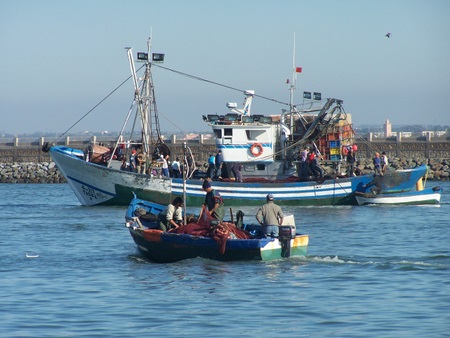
(162, 247)
(95, 184)
(427, 196)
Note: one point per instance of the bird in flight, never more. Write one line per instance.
(388, 35)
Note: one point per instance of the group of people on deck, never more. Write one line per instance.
(138, 163)
(269, 215)
(380, 164)
(217, 169)
(309, 163)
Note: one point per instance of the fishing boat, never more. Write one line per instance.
(267, 148)
(206, 238)
(425, 196)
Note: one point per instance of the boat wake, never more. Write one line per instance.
(388, 263)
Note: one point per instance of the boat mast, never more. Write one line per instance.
(144, 97)
(291, 92)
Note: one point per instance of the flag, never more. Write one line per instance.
(298, 69)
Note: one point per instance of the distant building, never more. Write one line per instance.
(387, 129)
(433, 133)
(406, 134)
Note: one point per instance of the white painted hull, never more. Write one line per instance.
(95, 184)
(419, 197)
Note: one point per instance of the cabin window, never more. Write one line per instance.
(255, 135)
(261, 167)
(218, 133)
(228, 132)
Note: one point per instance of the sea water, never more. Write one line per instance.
(73, 271)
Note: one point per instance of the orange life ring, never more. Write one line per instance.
(256, 149)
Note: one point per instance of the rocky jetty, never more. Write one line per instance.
(47, 172)
(439, 168)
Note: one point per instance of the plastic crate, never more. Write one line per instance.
(335, 157)
(335, 151)
(335, 144)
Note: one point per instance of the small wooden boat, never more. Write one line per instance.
(425, 196)
(226, 241)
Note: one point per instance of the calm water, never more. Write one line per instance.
(370, 272)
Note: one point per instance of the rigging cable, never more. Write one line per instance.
(104, 99)
(217, 84)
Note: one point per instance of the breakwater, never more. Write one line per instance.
(47, 172)
(26, 162)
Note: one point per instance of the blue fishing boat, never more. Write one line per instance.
(226, 241)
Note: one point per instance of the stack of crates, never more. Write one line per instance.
(334, 146)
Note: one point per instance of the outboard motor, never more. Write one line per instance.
(286, 233)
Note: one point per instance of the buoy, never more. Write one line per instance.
(256, 149)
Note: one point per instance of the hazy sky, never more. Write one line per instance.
(60, 58)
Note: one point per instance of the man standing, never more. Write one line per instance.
(351, 159)
(270, 216)
(213, 201)
(218, 165)
(176, 168)
(384, 162)
(211, 166)
(165, 165)
(314, 165)
(304, 162)
(141, 161)
(377, 164)
(133, 161)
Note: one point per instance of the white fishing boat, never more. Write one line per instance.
(266, 146)
(425, 196)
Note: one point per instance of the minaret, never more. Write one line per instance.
(387, 129)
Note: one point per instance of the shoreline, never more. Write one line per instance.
(48, 172)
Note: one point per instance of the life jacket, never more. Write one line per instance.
(311, 157)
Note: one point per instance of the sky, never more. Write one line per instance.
(61, 58)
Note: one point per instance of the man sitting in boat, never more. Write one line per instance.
(213, 201)
(171, 216)
(270, 216)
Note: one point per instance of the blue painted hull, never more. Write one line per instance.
(166, 247)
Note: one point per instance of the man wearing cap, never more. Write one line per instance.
(270, 216)
(213, 201)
